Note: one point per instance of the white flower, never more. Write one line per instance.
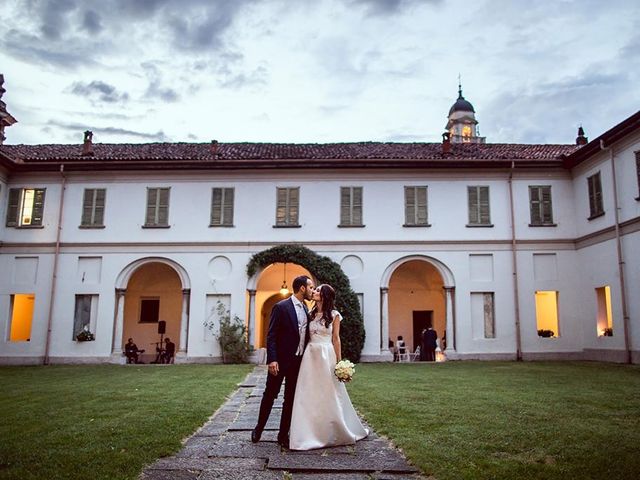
(344, 370)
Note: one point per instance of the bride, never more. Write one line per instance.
(323, 415)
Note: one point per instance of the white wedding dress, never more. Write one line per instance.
(323, 415)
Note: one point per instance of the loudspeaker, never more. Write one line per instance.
(162, 326)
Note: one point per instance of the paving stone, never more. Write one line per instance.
(331, 476)
(169, 475)
(398, 476)
(196, 447)
(241, 475)
(212, 429)
(239, 445)
(181, 463)
(384, 461)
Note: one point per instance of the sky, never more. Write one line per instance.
(315, 71)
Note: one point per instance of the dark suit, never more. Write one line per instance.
(283, 340)
(429, 344)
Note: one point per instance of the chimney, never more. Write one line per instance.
(6, 119)
(214, 148)
(446, 143)
(581, 139)
(87, 147)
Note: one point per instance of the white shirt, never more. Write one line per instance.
(302, 323)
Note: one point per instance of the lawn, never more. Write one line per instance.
(486, 420)
(455, 420)
(103, 421)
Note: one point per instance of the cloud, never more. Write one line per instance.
(91, 22)
(155, 88)
(159, 136)
(389, 7)
(240, 80)
(100, 91)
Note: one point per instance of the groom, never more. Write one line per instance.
(287, 337)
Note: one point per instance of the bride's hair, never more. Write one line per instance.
(327, 296)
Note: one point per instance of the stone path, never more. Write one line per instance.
(222, 449)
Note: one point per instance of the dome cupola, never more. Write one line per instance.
(462, 125)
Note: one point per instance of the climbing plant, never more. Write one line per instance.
(324, 270)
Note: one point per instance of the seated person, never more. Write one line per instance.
(131, 351)
(169, 351)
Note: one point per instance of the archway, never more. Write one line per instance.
(148, 291)
(417, 291)
(267, 294)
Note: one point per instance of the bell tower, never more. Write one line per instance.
(462, 125)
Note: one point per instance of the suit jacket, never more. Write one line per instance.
(283, 337)
(429, 339)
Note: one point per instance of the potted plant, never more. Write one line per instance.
(85, 335)
(545, 333)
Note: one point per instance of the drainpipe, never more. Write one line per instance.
(55, 267)
(625, 311)
(515, 266)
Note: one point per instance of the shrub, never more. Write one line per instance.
(545, 333)
(232, 336)
(325, 270)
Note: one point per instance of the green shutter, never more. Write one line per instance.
(534, 202)
(421, 205)
(473, 203)
(483, 200)
(547, 211)
(13, 208)
(98, 215)
(152, 196)
(345, 206)
(409, 206)
(281, 206)
(216, 206)
(38, 206)
(357, 206)
(294, 206)
(229, 194)
(163, 207)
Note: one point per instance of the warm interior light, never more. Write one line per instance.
(21, 317)
(547, 311)
(27, 206)
(284, 290)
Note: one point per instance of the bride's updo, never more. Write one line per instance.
(327, 296)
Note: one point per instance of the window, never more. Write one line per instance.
(157, 207)
(21, 317)
(93, 207)
(287, 207)
(415, 207)
(478, 201)
(149, 310)
(351, 207)
(604, 315)
(547, 313)
(26, 207)
(85, 312)
(540, 204)
(595, 196)
(222, 207)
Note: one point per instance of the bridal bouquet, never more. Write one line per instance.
(344, 370)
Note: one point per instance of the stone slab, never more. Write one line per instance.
(243, 449)
(196, 446)
(181, 463)
(169, 475)
(241, 475)
(381, 462)
(331, 476)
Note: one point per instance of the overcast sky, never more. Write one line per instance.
(315, 71)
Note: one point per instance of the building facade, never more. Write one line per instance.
(509, 251)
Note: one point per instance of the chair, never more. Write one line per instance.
(403, 353)
(415, 355)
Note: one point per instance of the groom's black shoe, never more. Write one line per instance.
(255, 435)
(283, 442)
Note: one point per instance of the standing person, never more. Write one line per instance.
(323, 415)
(423, 346)
(429, 340)
(286, 341)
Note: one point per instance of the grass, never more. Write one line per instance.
(456, 420)
(486, 420)
(103, 422)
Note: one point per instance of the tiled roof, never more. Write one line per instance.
(202, 152)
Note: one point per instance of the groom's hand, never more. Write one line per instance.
(273, 368)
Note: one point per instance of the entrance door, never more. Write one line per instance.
(421, 320)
